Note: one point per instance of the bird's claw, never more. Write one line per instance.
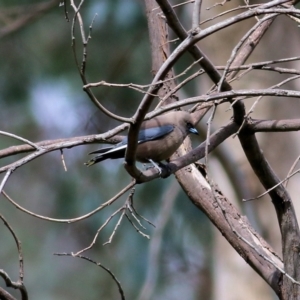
(157, 166)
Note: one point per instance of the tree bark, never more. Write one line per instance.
(207, 196)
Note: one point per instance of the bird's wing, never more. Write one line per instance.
(102, 150)
(118, 150)
(145, 135)
(154, 133)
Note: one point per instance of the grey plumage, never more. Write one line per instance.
(158, 139)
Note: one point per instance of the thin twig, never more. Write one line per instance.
(9, 283)
(238, 46)
(123, 209)
(208, 133)
(101, 266)
(81, 67)
(37, 147)
(107, 203)
(98, 232)
(62, 160)
(251, 110)
(116, 227)
(273, 187)
(291, 170)
(136, 228)
(196, 13)
(4, 180)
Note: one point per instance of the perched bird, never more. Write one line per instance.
(158, 139)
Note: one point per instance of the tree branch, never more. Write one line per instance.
(273, 125)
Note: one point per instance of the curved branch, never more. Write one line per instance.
(101, 266)
(37, 147)
(73, 220)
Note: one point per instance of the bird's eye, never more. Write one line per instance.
(189, 125)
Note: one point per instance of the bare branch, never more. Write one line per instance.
(4, 180)
(123, 210)
(274, 187)
(9, 283)
(101, 266)
(239, 45)
(100, 229)
(196, 13)
(59, 144)
(107, 203)
(21, 139)
(81, 67)
(274, 125)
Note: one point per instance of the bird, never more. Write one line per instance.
(158, 139)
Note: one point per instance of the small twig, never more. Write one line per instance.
(140, 88)
(259, 65)
(142, 217)
(9, 283)
(248, 6)
(101, 266)
(126, 206)
(196, 14)
(177, 5)
(91, 27)
(4, 180)
(136, 87)
(81, 67)
(273, 187)
(37, 147)
(116, 227)
(98, 232)
(238, 46)
(85, 45)
(208, 133)
(251, 110)
(134, 216)
(291, 170)
(184, 82)
(64, 4)
(227, 12)
(218, 4)
(130, 208)
(62, 160)
(136, 228)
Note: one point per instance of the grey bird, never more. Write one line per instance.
(158, 139)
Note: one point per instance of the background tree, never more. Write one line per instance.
(247, 64)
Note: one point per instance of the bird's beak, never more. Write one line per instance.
(193, 130)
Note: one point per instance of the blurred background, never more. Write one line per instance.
(41, 98)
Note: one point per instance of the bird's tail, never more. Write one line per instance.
(90, 162)
(95, 160)
(98, 158)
